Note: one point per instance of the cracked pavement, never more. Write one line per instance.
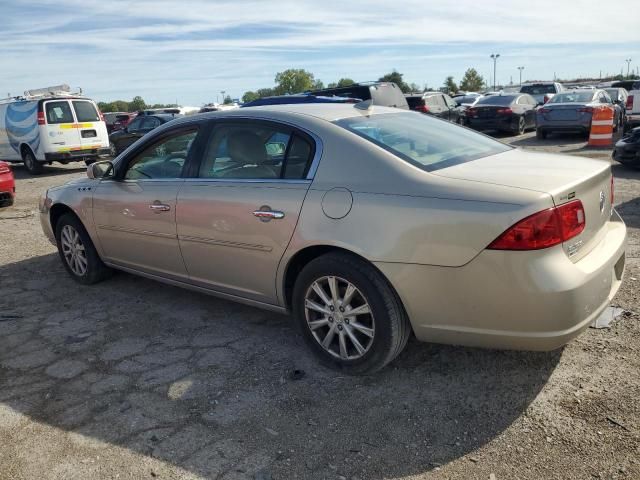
(134, 379)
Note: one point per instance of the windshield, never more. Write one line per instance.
(572, 97)
(423, 141)
(501, 100)
(538, 89)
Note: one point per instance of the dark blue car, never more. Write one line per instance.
(302, 98)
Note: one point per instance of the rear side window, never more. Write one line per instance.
(421, 140)
(415, 101)
(58, 112)
(85, 111)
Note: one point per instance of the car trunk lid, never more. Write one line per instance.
(564, 178)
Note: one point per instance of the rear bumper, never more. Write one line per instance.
(560, 126)
(536, 300)
(505, 123)
(76, 155)
(7, 191)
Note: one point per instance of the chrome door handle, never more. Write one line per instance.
(266, 215)
(159, 207)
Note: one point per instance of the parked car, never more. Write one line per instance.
(7, 185)
(464, 103)
(122, 121)
(632, 108)
(110, 118)
(51, 125)
(619, 98)
(385, 94)
(139, 127)
(301, 98)
(627, 149)
(437, 104)
(513, 113)
(542, 91)
(571, 112)
(366, 224)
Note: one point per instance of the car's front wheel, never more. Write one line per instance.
(348, 314)
(78, 254)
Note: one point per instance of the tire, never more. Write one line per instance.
(31, 164)
(522, 126)
(94, 269)
(541, 134)
(387, 323)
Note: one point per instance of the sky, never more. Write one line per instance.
(190, 50)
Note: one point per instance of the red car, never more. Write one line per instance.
(7, 185)
(122, 120)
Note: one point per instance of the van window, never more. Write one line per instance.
(85, 111)
(59, 112)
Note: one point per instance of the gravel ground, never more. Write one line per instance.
(133, 379)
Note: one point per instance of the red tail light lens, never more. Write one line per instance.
(586, 110)
(422, 108)
(546, 99)
(611, 195)
(543, 229)
(472, 111)
(4, 168)
(629, 105)
(504, 111)
(41, 118)
(544, 110)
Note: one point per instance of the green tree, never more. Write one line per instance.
(266, 92)
(249, 96)
(227, 100)
(104, 107)
(472, 81)
(345, 82)
(450, 85)
(294, 81)
(396, 77)
(415, 88)
(137, 104)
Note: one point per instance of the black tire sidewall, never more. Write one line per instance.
(370, 285)
(96, 270)
(31, 164)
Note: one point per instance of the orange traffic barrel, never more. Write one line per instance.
(601, 134)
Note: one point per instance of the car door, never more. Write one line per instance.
(454, 112)
(237, 215)
(61, 131)
(135, 210)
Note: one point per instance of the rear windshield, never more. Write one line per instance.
(538, 89)
(466, 99)
(496, 100)
(58, 112)
(572, 97)
(85, 111)
(414, 102)
(423, 141)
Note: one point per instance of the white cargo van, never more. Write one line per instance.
(51, 125)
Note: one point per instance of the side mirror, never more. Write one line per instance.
(101, 169)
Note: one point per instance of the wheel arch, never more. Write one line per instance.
(301, 258)
(57, 211)
(24, 148)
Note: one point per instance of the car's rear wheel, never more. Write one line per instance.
(541, 134)
(348, 314)
(522, 126)
(33, 166)
(77, 251)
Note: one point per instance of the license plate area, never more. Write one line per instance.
(88, 134)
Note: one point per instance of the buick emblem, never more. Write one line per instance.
(601, 201)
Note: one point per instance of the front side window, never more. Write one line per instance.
(255, 150)
(163, 159)
(59, 112)
(85, 111)
(423, 141)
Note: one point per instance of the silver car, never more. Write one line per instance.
(368, 224)
(571, 112)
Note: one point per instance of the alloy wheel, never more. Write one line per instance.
(339, 317)
(73, 250)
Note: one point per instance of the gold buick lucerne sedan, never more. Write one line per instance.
(367, 223)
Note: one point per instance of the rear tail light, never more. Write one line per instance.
(544, 110)
(504, 111)
(422, 108)
(611, 193)
(586, 110)
(472, 111)
(4, 168)
(543, 229)
(546, 98)
(629, 105)
(41, 118)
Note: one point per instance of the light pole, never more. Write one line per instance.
(520, 68)
(628, 60)
(223, 92)
(494, 56)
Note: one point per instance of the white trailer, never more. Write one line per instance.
(51, 125)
